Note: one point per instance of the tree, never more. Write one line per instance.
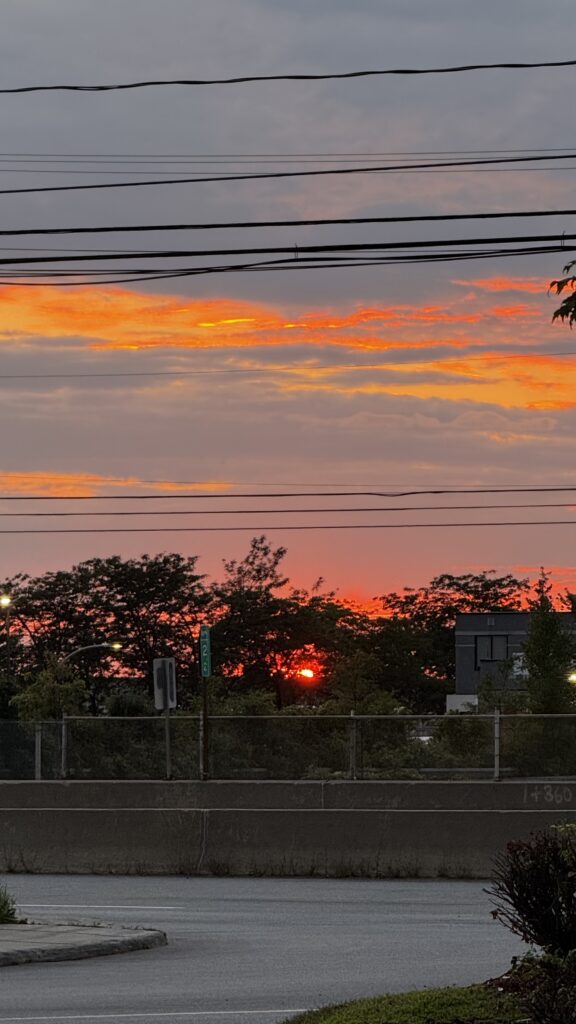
(549, 653)
(416, 634)
(567, 309)
(153, 605)
(264, 629)
(55, 691)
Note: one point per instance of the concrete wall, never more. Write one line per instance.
(363, 829)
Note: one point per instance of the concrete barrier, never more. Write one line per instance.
(375, 829)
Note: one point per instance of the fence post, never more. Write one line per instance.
(38, 750)
(496, 744)
(167, 742)
(64, 748)
(201, 749)
(352, 769)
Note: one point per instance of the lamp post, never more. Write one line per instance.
(6, 603)
(113, 645)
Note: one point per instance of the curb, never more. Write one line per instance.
(85, 942)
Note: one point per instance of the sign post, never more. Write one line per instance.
(164, 699)
(205, 672)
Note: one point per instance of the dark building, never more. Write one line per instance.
(489, 645)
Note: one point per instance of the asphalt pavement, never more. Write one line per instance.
(249, 949)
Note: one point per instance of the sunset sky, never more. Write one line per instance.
(376, 378)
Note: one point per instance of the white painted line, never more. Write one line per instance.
(93, 906)
(178, 1013)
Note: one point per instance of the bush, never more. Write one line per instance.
(545, 987)
(7, 907)
(534, 889)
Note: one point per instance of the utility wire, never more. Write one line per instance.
(212, 226)
(268, 175)
(274, 527)
(215, 157)
(61, 278)
(295, 368)
(281, 511)
(212, 495)
(508, 66)
(345, 247)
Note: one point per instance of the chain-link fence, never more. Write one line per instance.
(282, 746)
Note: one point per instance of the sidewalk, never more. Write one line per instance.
(35, 943)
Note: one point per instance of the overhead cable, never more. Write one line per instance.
(317, 222)
(279, 511)
(349, 493)
(274, 527)
(240, 80)
(269, 175)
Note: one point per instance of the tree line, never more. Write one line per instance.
(264, 632)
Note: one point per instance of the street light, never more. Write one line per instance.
(113, 645)
(6, 603)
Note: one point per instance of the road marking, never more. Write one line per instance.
(93, 906)
(177, 1013)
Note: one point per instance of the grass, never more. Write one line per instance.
(7, 907)
(474, 1003)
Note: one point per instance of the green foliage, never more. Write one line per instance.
(355, 685)
(125, 702)
(153, 605)
(545, 987)
(478, 1004)
(534, 889)
(567, 308)
(52, 693)
(549, 653)
(427, 616)
(7, 907)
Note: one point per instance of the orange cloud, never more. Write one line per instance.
(125, 319)
(535, 285)
(64, 485)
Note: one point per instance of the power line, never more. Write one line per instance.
(214, 157)
(317, 222)
(280, 511)
(562, 489)
(62, 278)
(274, 527)
(508, 66)
(268, 175)
(295, 368)
(345, 247)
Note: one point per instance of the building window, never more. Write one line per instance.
(491, 648)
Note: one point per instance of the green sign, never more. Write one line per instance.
(205, 653)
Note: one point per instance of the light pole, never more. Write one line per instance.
(6, 603)
(113, 645)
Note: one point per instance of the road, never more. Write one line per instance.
(251, 949)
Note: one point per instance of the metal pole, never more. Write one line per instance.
(167, 741)
(496, 744)
(8, 652)
(201, 774)
(353, 745)
(205, 772)
(38, 750)
(64, 748)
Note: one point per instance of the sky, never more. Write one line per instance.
(368, 378)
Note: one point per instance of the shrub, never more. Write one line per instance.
(7, 907)
(545, 987)
(534, 889)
